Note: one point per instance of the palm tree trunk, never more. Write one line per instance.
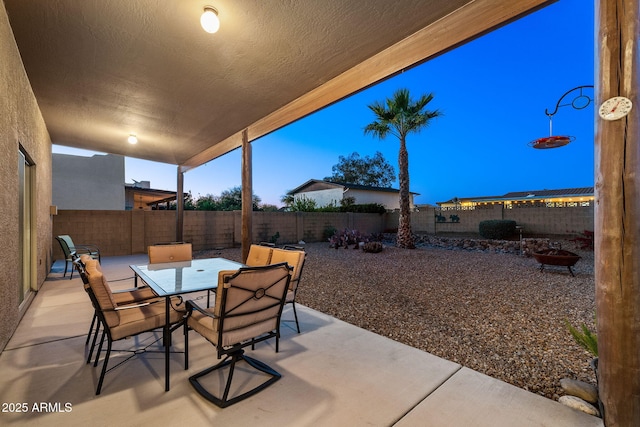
(405, 238)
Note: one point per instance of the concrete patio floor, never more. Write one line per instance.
(333, 374)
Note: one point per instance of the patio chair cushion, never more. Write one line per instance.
(251, 320)
(134, 295)
(102, 291)
(133, 321)
(170, 253)
(86, 258)
(295, 259)
(205, 325)
(127, 296)
(259, 256)
(122, 320)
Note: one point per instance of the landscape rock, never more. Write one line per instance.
(525, 247)
(579, 404)
(580, 389)
(495, 313)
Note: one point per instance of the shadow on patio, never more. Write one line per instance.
(333, 374)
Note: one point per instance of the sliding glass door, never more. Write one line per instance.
(25, 225)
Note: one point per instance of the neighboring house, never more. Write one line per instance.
(566, 197)
(88, 183)
(140, 196)
(327, 193)
(103, 175)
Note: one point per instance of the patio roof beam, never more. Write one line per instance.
(179, 206)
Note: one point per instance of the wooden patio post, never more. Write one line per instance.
(247, 196)
(617, 215)
(179, 206)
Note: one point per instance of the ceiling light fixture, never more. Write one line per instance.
(133, 139)
(209, 20)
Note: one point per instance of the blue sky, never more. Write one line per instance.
(493, 92)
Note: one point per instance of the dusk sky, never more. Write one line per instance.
(493, 92)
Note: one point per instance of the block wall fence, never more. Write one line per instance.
(131, 232)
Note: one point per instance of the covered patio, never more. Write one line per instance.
(87, 75)
(334, 374)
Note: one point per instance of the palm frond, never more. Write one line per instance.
(585, 338)
(377, 129)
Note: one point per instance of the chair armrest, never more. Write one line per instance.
(88, 247)
(142, 304)
(120, 291)
(294, 247)
(127, 307)
(192, 305)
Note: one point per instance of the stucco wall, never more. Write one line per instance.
(385, 198)
(323, 197)
(103, 171)
(535, 220)
(335, 195)
(131, 232)
(21, 125)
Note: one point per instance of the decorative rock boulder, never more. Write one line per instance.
(579, 404)
(580, 389)
(373, 247)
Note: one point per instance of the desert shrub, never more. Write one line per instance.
(274, 239)
(331, 207)
(328, 231)
(497, 228)
(364, 208)
(303, 204)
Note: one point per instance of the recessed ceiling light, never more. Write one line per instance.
(133, 139)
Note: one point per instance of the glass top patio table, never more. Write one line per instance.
(172, 278)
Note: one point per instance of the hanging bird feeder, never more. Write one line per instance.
(554, 141)
(551, 141)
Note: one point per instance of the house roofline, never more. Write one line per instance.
(349, 186)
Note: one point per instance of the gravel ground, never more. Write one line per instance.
(494, 313)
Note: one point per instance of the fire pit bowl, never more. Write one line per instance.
(557, 257)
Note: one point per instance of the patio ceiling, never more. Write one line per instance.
(102, 70)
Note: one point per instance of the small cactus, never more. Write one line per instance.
(346, 238)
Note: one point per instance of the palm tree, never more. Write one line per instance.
(399, 116)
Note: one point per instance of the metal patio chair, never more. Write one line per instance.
(123, 321)
(69, 248)
(248, 308)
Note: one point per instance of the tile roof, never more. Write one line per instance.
(538, 194)
(564, 192)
